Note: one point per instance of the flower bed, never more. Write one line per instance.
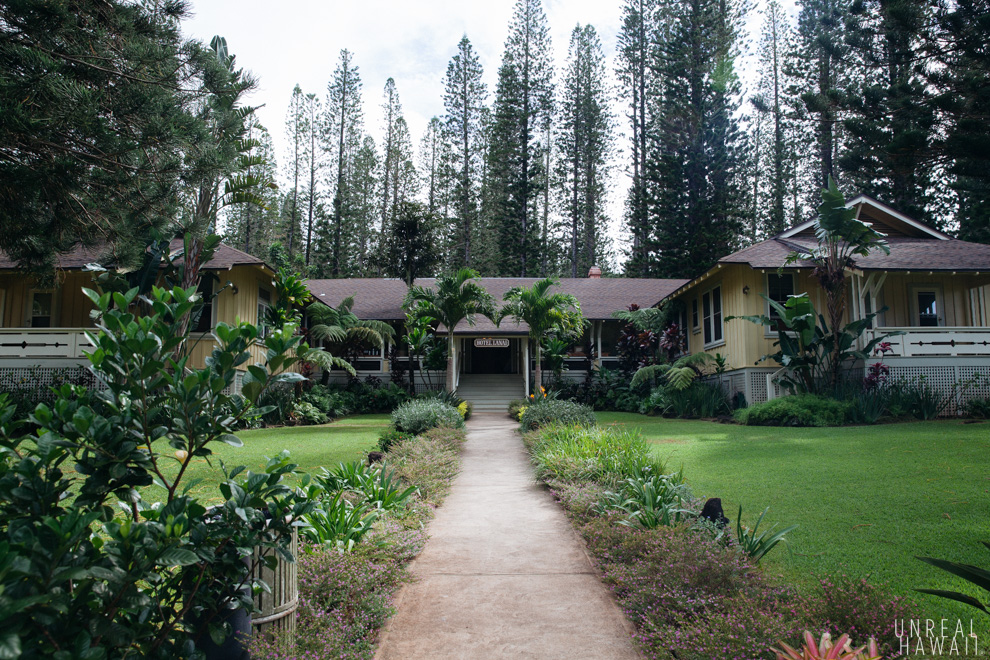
(690, 591)
(346, 597)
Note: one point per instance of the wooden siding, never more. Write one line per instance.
(72, 308)
(745, 343)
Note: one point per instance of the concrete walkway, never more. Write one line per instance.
(503, 575)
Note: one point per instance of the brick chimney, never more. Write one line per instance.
(595, 273)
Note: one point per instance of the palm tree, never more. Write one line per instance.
(344, 331)
(557, 314)
(454, 298)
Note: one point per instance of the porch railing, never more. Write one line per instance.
(43, 343)
(938, 341)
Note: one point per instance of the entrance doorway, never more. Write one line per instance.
(485, 355)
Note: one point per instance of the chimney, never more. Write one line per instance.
(595, 273)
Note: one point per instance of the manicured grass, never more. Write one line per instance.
(867, 499)
(311, 447)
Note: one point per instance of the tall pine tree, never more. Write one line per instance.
(692, 168)
(464, 98)
(342, 133)
(523, 105)
(585, 136)
(892, 120)
(636, 45)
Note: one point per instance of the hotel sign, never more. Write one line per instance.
(491, 343)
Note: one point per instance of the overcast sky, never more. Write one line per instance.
(296, 41)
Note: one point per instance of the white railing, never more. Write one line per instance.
(938, 341)
(43, 343)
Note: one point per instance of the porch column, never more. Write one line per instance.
(526, 365)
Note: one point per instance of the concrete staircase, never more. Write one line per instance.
(490, 392)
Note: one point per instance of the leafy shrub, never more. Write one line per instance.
(304, 412)
(650, 500)
(337, 523)
(704, 400)
(515, 408)
(378, 487)
(796, 410)
(604, 455)
(754, 544)
(923, 400)
(554, 411)
(78, 581)
(278, 403)
(977, 408)
(602, 389)
(420, 415)
(392, 437)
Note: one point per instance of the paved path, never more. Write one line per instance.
(503, 575)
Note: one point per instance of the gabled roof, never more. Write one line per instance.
(919, 254)
(224, 258)
(885, 219)
(381, 298)
(914, 246)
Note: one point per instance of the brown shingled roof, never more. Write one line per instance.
(382, 298)
(224, 258)
(905, 254)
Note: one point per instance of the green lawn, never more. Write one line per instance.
(867, 499)
(312, 447)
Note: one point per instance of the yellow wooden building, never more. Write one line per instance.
(933, 286)
(42, 328)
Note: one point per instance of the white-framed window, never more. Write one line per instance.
(711, 309)
(695, 315)
(264, 302)
(927, 309)
(41, 312)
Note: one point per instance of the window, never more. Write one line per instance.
(779, 289)
(264, 302)
(711, 307)
(928, 309)
(204, 323)
(695, 318)
(41, 309)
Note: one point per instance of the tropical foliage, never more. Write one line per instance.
(549, 315)
(90, 530)
(454, 298)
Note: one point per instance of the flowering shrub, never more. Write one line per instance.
(844, 604)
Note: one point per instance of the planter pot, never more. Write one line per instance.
(277, 610)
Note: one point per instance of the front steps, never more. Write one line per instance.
(490, 392)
